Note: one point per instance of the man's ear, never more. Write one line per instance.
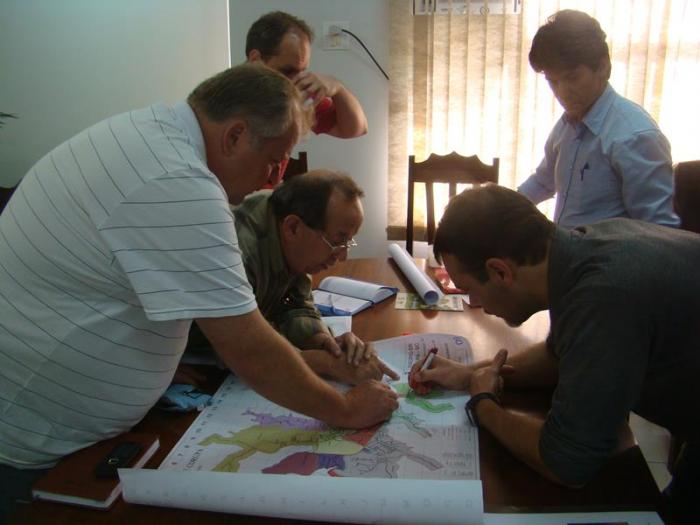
(501, 271)
(232, 136)
(254, 56)
(605, 67)
(291, 227)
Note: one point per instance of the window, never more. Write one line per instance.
(461, 81)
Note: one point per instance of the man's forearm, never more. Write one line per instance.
(536, 189)
(535, 366)
(519, 433)
(319, 361)
(300, 329)
(351, 119)
(272, 367)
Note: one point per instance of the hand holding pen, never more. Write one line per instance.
(420, 388)
(442, 372)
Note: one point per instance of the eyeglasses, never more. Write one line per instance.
(350, 243)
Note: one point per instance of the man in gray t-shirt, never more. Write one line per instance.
(624, 302)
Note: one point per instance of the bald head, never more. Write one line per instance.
(308, 195)
(318, 214)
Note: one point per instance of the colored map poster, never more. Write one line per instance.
(427, 437)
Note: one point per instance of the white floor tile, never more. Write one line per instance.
(660, 474)
(654, 447)
(653, 439)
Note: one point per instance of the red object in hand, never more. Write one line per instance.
(412, 383)
(326, 116)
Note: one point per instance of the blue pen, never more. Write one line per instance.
(585, 167)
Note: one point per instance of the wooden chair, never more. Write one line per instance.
(686, 196)
(452, 169)
(296, 166)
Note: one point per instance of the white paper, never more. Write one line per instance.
(354, 288)
(347, 500)
(425, 287)
(589, 518)
(339, 324)
(333, 303)
(427, 438)
(296, 462)
(343, 296)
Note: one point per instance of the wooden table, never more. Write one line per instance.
(625, 483)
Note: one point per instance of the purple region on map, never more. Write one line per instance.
(288, 421)
(306, 463)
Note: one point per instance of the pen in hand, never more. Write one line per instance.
(427, 360)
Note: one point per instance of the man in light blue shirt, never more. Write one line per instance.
(605, 157)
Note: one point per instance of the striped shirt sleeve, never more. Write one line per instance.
(175, 240)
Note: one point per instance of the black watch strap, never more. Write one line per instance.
(470, 407)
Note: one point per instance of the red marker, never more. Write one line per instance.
(424, 365)
(428, 359)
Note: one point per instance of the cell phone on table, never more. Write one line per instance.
(121, 456)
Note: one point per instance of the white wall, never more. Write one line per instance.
(365, 158)
(65, 65)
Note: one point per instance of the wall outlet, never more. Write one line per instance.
(333, 38)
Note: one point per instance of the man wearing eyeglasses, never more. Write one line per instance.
(303, 227)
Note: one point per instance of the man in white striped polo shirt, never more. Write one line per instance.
(114, 242)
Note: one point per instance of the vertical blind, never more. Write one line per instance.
(461, 81)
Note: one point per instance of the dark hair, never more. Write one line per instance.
(267, 32)
(266, 99)
(307, 195)
(492, 221)
(569, 39)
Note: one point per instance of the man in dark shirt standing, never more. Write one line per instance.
(624, 300)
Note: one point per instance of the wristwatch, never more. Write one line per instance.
(470, 407)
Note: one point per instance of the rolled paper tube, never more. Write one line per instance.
(318, 498)
(425, 287)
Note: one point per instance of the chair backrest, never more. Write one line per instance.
(296, 166)
(452, 169)
(686, 196)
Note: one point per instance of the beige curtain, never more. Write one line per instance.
(462, 82)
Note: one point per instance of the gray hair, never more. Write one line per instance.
(267, 100)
